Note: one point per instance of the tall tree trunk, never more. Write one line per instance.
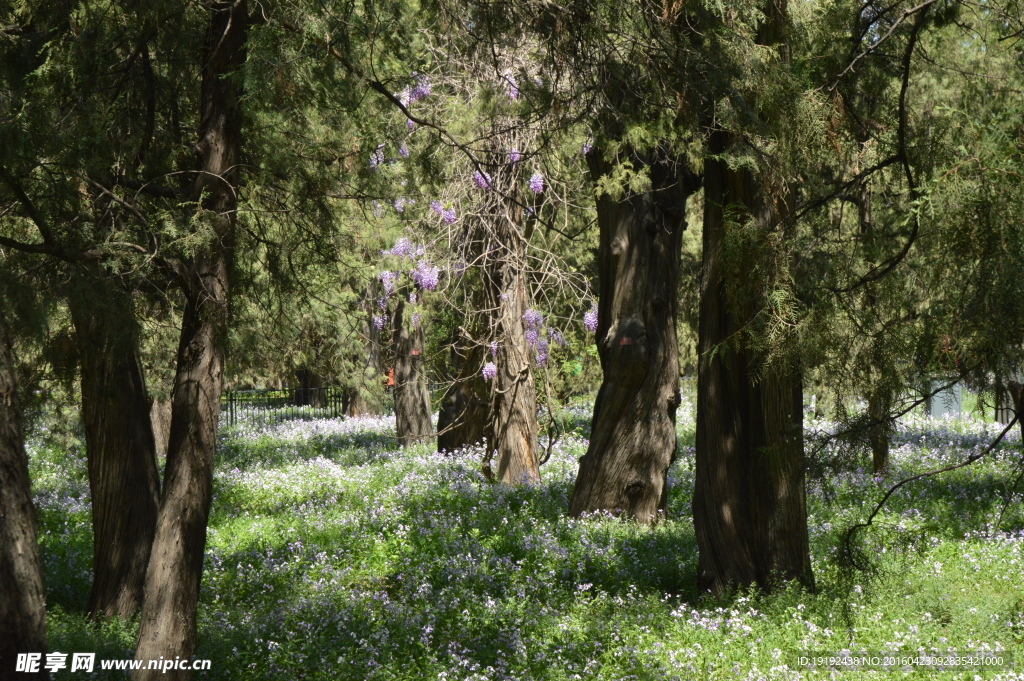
(121, 451)
(749, 509)
(633, 433)
(463, 415)
(22, 604)
(168, 624)
(512, 428)
(412, 399)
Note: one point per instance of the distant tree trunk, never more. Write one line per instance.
(311, 389)
(633, 434)
(463, 416)
(121, 451)
(22, 604)
(168, 624)
(749, 509)
(879, 428)
(412, 399)
(512, 428)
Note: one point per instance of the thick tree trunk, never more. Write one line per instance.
(123, 476)
(160, 415)
(512, 428)
(633, 434)
(168, 625)
(22, 605)
(462, 419)
(412, 399)
(749, 509)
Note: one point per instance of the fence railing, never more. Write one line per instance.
(279, 405)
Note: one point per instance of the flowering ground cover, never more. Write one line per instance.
(332, 554)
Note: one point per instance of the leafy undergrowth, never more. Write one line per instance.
(334, 555)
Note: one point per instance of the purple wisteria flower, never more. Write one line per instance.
(556, 336)
(542, 353)
(403, 150)
(412, 124)
(489, 371)
(483, 180)
(515, 156)
(416, 317)
(533, 318)
(449, 216)
(513, 86)
(590, 319)
(403, 248)
(412, 297)
(400, 204)
(379, 321)
(588, 146)
(388, 279)
(426, 275)
(377, 157)
(421, 89)
(537, 183)
(494, 348)
(532, 336)
(437, 207)
(382, 302)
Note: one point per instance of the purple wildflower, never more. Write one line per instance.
(494, 348)
(411, 123)
(416, 317)
(588, 146)
(437, 207)
(379, 321)
(449, 216)
(403, 150)
(532, 336)
(412, 297)
(421, 89)
(400, 204)
(590, 319)
(489, 371)
(514, 155)
(382, 302)
(537, 183)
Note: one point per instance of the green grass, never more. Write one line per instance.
(334, 555)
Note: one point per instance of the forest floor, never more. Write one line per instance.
(332, 554)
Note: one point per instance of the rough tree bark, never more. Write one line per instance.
(633, 435)
(22, 605)
(512, 428)
(412, 399)
(168, 624)
(749, 509)
(463, 415)
(879, 406)
(121, 450)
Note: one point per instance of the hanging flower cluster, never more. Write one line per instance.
(483, 180)
(513, 86)
(515, 156)
(534, 325)
(537, 183)
(377, 157)
(590, 319)
(489, 371)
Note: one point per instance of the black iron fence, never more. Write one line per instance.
(279, 405)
